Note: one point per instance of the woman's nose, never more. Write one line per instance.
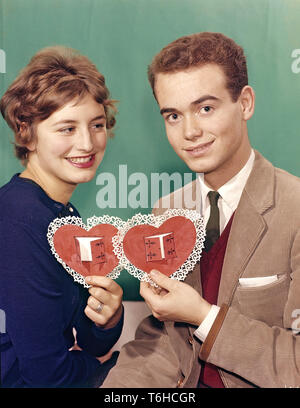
(85, 140)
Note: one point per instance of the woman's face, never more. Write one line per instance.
(70, 144)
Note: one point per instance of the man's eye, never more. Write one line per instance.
(173, 117)
(206, 109)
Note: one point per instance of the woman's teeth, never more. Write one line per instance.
(80, 159)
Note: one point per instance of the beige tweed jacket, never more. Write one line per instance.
(254, 340)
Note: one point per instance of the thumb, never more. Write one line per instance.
(161, 280)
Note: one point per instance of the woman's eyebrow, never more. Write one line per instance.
(61, 122)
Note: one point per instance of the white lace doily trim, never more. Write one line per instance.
(91, 222)
(156, 221)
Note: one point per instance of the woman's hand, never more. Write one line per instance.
(106, 293)
(174, 300)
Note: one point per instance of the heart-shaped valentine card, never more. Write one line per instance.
(171, 243)
(85, 250)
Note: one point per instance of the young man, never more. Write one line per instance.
(232, 323)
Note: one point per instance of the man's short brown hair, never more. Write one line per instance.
(199, 49)
(54, 76)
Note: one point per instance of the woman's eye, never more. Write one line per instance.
(98, 126)
(67, 130)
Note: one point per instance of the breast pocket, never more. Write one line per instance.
(265, 303)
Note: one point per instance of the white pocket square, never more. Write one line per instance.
(252, 282)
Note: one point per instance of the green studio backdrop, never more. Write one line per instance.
(121, 37)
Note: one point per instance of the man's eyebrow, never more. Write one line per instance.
(196, 102)
(61, 122)
(205, 98)
(167, 110)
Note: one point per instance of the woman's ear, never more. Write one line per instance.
(26, 138)
(247, 101)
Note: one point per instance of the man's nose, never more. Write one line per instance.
(192, 127)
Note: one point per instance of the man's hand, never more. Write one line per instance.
(174, 300)
(104, 291)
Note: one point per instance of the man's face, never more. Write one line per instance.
(204, 126)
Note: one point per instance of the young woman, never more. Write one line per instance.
(60, 112)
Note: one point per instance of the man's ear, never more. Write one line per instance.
(26, 137)
(247, 101)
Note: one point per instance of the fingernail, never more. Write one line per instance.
(153, 273)
(88, 279)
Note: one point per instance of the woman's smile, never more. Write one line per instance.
(82, 161)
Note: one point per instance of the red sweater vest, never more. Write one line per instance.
(211, 265)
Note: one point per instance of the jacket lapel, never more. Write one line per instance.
(248, 226)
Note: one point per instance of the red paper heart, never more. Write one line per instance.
(71, 251)
(167, 258)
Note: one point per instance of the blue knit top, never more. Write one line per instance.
(40, 301)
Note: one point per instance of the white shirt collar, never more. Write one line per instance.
(231, 191)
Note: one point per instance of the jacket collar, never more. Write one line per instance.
(260, 187)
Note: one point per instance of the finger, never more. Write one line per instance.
(95, 304)
(100, 294)
(99, 318)
(157, 289)
(145, 288)
(147, 293)
(162, 280)
(104, 282)
(163, 292)
(159, 317)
